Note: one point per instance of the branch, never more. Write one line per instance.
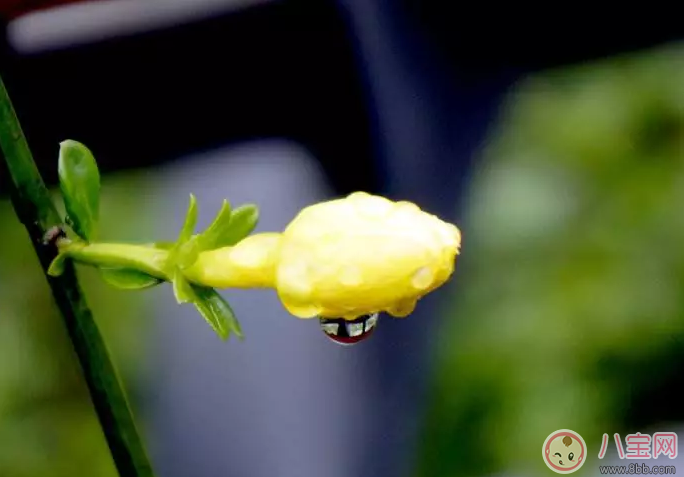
(36, 211)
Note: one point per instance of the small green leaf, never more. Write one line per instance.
(179, 254)
(182, 289)
(56, 268)
(187, 253)
(217, 312)
(128, 279)
(243, 220)
(210, 239)
(79, 181)
(190, 221)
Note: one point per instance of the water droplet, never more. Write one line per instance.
(349, 332)
(302, 310)
(358, 195)
(350, 276)
(405, 206)
(423, 278)
(247, 257)
(402, 309)
(296, 276)
(371, 206)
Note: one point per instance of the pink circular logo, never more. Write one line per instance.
(564, 451)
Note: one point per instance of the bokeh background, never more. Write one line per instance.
(556, 145)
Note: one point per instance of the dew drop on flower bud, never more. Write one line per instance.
(349, 332)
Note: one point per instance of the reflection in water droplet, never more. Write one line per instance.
(355, 329)
(330, 328)
(372, 321)
(349, 332)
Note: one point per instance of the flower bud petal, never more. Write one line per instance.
(363, 254)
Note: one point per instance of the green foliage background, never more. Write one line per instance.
(47, 423)
(568, 301)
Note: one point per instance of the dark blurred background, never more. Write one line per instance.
(554, 139)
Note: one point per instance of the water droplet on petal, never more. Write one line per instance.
(349, 332)
(248, 257)
(371, 206)
(402, 309)
(423, 278)
(405, 206)
(302, 310)
(450, 235)
(296, 276)
(350, 276)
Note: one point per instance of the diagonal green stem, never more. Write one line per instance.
(36, 211)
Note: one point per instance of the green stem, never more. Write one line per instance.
(138, 257)
(36, 211)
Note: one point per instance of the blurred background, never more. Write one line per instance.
(555, 140)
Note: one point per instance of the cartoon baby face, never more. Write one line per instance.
(564, 452)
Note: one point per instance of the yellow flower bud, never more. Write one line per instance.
(344, 258)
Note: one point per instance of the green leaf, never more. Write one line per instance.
(56, 268)
(79, 181)
(217, 312)
(187, 253)
(182, 289)
(178, 254)
(243, 220)
(128, 279)
(210, 239)
(190, 221)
